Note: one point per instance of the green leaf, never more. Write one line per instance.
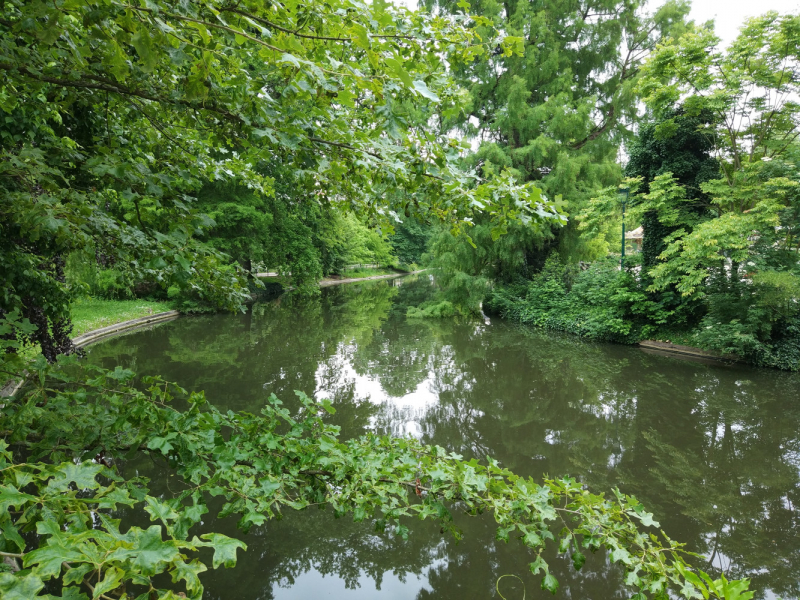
(422, 88)
(77, 574)
(11, 496)
(550, 583)
(396, 67)
(532, 539)
(111, 580)
(189, 572)
(48, 560)
(159, 510)
(143, 43)
(161, 444)
(149, 554)
(70, 593)
(538, 565)
(361, 35)
(82, 475)
(578, 560)
(224, 549)
(10, 534)
(16, 587)
(620, 554)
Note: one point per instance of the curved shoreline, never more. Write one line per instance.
(90, 337)
(12, 387)
(96, 335)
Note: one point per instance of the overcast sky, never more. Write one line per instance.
(728, 15)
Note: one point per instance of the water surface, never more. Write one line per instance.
(712, 450)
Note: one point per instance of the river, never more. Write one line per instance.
(712, 450)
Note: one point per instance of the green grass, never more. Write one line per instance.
(89, 314)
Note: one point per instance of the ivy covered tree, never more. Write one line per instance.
(680, 144)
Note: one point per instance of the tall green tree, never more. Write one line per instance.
(557, 112)
(751, 91)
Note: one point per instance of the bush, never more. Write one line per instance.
(111, 284)
(594, 303)
(600, 303)
(740, 338)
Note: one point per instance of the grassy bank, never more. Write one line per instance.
(89, 314)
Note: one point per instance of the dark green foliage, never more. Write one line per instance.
(599, 303)
(410, 241)
(242, 220)
(757, 319)
(676, 143)
(680, 144)
(465, 267)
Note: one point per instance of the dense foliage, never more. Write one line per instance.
(557, 112)
(117, 114)
(714, 184)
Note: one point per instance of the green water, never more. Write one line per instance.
(712, 450)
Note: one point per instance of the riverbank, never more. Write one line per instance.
(329, 282)
(90, 314)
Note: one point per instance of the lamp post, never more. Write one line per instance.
(624, 196)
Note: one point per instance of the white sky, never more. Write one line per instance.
(729, 15)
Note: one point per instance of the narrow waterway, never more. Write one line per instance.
(712, 450)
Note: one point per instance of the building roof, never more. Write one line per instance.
(636, 234)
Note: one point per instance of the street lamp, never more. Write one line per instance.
(623, 192)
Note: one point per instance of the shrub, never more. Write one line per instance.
(599, 303)
(111, 284)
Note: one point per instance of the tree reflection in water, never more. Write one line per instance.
(712, 450)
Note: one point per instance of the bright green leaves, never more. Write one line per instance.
(188, 573)
(12, 497)
(147, 553)
(82, 476)
(747, 78)
(224, 549)
(360, 35)
(424, 91)
(74, 546)
(111, 580)
(14, 587)
(721, 588)
(48, 560)
(550, 583)
(398, 70)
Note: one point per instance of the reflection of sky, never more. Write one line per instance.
(408, 408)
(313, 584)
